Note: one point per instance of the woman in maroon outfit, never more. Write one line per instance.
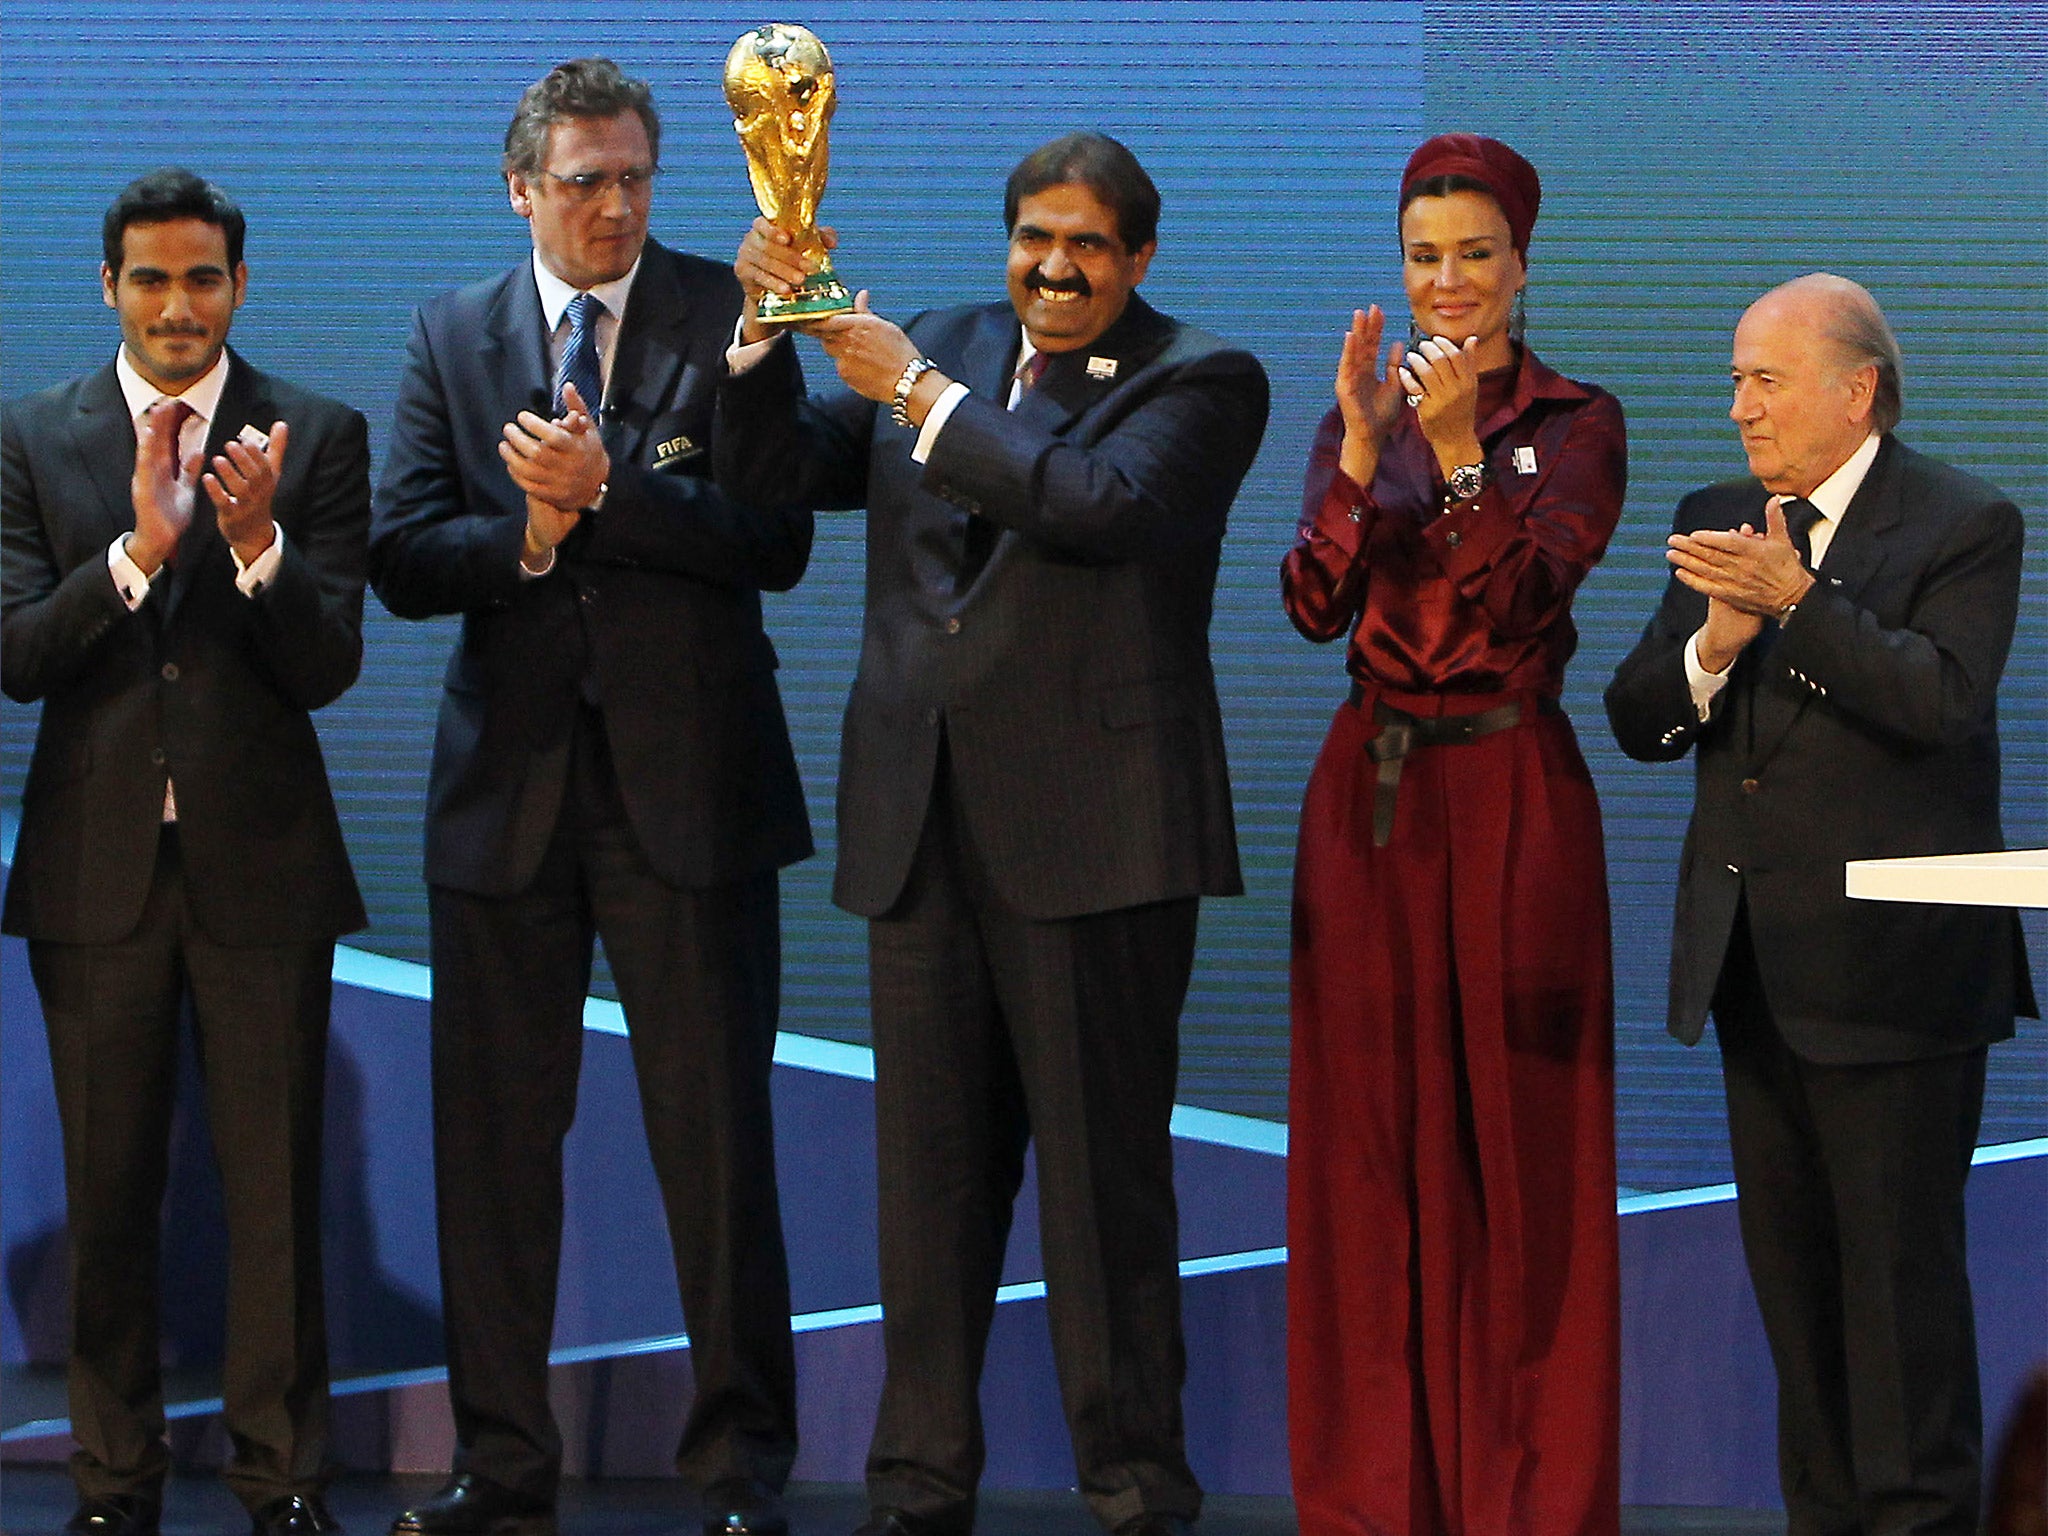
(1452, 1279)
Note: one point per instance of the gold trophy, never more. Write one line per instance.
(778, 81)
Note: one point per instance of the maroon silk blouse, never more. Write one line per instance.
(1472, 601)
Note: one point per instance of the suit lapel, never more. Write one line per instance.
(513, 351)
(988, 361)
(649, 355)
(103, 437)
(1075, 382)
(1859, 547)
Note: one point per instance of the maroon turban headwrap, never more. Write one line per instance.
(1511, 179)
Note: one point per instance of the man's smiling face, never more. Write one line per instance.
(1069, 272)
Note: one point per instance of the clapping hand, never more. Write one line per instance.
(1369, 400)
(1442, 381)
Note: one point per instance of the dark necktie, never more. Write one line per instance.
(1800, 517)
(580, 364)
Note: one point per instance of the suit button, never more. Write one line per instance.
(1750, 786)
(156, 756)
(952, 626)
(170, 672)
(1454, 538)
(931, 716)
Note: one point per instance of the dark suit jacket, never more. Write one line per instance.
(1043, 588)
(1870, 730)
(654, 604)
(201, 683)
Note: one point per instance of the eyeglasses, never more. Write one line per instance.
(585, 186)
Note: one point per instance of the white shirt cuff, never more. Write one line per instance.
(262, 571)
(128, 578)
(1705, 685)
(936, 419)
(528, 573)
(742, 355)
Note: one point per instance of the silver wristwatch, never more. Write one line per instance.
(1467, 481)
(899, 407)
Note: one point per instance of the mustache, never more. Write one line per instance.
(1039, 282)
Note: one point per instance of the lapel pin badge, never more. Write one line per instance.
(1525, 460)
(1101, 367)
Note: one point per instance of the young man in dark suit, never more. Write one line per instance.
(612, 761)
(1032, 798)
(1829, 649)
(184, 557)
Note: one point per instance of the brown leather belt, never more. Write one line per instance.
(1401, 733)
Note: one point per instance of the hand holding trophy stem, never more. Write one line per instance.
(779, 83)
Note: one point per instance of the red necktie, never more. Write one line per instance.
(171, 416)
(1031, 371)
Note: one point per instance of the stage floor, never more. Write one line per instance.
(36, 1501)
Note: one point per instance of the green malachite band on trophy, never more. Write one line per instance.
(822, 294)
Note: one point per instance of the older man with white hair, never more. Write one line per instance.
(1829, 648)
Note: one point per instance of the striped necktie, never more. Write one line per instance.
(580, 365)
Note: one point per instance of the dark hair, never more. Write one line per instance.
(160, 197)
(579, 88)
(1104, 167)
(1442, 186)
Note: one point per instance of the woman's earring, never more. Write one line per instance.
(1518, 317)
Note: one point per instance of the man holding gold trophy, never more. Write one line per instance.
(1032, 791)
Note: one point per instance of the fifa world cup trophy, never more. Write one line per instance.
(778, 81)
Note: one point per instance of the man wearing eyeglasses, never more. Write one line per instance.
(612, 761)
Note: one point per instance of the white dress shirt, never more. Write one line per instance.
(1831, 499)
(554, 307)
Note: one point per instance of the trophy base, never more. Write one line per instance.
(821, 296)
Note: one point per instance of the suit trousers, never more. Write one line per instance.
(1849, 1189)
(260, 1023)
(698, 973)
(993, 1030)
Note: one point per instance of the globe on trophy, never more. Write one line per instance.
(778, 81)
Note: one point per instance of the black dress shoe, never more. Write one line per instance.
(895, 1522)
(119, 1514)
(473, 1506)
(296, 1514)
(743, 1506)
(1153, 1523)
